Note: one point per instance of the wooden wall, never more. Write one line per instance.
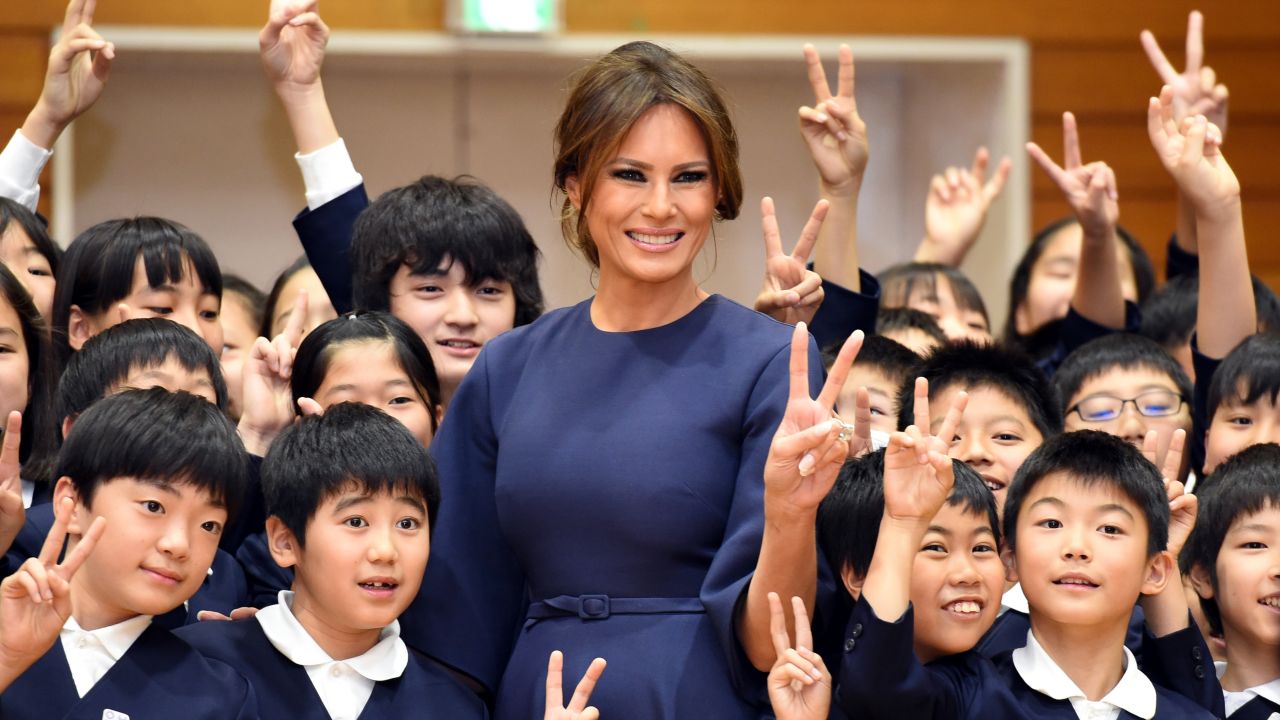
(1085, 58)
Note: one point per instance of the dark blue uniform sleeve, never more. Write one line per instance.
(252, 517)
(326, 238)
(1181, 662)
(1205, 367)
(881, 677)
(843, 311)
(1179, 262)
(265, 579)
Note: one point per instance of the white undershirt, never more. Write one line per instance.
(327, 173)
(344, 686)
(91, 653)
(21, 163)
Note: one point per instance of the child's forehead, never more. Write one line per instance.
(1125, 382)
(986, 403)
(356, 493)
(188, 279)
(961, 520)
(180, 488)
(1075, 493)
(1262, 519)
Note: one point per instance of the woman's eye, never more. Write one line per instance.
(629, 175)
(693, 176)
(152, 506)
(355, 522)
(407, 524)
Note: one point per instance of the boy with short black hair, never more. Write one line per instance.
(351, 499)
(882, 366)
(1240, 406)
(1086, 525)
(917, 330)
(1126, 385)
(1231, 558)
(151, 478)
(1012, 407)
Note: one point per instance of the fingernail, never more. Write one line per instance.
(815, 674)
(822, 117)
(806, 464)
(842, 136)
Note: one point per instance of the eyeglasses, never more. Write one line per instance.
(1153, 403)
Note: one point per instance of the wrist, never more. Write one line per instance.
(1219, 210)
(845, 191)
(781, 515)
(41, 129)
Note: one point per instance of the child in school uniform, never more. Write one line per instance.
(1233, 560)
(882, 366)
(148, 479)
(351, 498)
(1086, 524)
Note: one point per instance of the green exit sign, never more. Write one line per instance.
(505, 16)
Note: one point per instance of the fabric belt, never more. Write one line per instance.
(600, 607)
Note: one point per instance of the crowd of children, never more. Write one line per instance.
(393, 487)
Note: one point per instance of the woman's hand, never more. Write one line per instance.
(835, 134)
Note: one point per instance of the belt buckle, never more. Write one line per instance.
(593, 607)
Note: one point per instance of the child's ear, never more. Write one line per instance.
(574, 191)
(281, 542)
(439, 414)
(852, 581)
(79, 328)
(67, 422)
(80, 515)
(1201, 581)
(1010, 563)
(1159, 569)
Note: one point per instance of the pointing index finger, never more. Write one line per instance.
(809, 235)
(846, 76)
(1195, 43)
(817, 76)
(1071, 158)
(799, 363)
(839, 370)
(1163, 67)
(297, 320)
(57, 536)
(769, 226)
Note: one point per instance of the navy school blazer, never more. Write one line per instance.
(283, 689)
(159, 677)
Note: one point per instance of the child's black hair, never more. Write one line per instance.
(1117, 351)
(267, 313)
(157, 436)
(1144, 278)
(898, 282)
(97, 270)
(1248, 372)
(350, 445)
(973, 365)
(849, 517)
(434, 220)
(1169, 315)
(39, 447)
(1090, 457)
(895, 360)
(904, 318)
(311, 363)
(249, 297)
(1244, 484)
(35, 228)
(108, 357)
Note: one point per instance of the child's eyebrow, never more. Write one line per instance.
(413, 502)
(161, 485)
(10, 331)
(351, 500)
(1115, 507)
(1055, 502)
(1253, 527)
(939, 530)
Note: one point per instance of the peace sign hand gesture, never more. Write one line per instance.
(1190, 152)
(1183, 506)
(811, 443)
(1196, 90)
(918, 475)
(35, 602)
(12, 512)
(78, 68)
(956, 208)
(792, 293)
(799, 683)
(835, 134)
(577, 708)
(268, 397)
(1090, 189)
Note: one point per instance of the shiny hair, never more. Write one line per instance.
(607, 98)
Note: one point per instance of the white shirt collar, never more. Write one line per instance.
(92, 653)
(1237, 699)
(116, 639)
(1133, 693)
(384, 661)
(1014, 599)
(28, 493)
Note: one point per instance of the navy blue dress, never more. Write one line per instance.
(603, 495)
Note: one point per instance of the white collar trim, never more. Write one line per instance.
(384, 661)
(1134, 693)
(116, 639)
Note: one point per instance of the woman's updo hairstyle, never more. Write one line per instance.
(606, 99)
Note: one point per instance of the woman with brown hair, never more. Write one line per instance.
(629, 477)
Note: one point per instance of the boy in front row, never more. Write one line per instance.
(1086, 523)
(148, 480)
(351, 499)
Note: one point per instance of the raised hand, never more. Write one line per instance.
(268, 398)
(835, 134)
(918, 475)
(956, 208)
(811, 443)
(35, 602)
(78, 68)
(292, 46)
(12, 512)
(1090, 189)
(792, 293)
(577, 708)
(799, 683)
(1190, 151)
(1182, 505)
(1196, 90)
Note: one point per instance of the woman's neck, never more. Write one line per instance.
(624, 304)
(1090, 656)
(1249, 663)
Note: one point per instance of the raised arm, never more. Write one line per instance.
(1190, 153)
(79, 64)
(292, 48)
(1090, 190)
(956, 209)
(837, 140)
